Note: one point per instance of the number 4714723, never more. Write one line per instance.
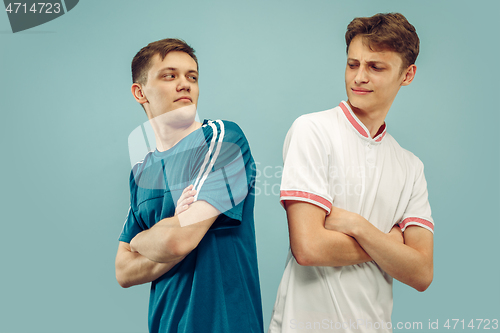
(484, 324)
(36, 8)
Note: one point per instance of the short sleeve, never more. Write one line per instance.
(223, 178)
(418, 211)
(305, 165)
(131, 227)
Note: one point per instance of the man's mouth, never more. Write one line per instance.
(361, 91)
(184, 99)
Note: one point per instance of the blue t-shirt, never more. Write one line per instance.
(216, 287)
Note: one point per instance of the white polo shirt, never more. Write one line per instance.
(330, 159)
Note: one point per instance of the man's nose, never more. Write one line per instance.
(184, 84)
(361, 75)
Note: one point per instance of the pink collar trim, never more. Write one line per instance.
(359, 126)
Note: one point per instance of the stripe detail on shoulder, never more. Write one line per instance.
(306, 197)
(210, 158)
(418, 222)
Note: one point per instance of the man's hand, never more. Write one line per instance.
(397, 234)
(186, 199)
(344, 221)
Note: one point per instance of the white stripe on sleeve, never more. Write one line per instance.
(214, 157)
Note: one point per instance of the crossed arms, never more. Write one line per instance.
(153, 252)
(339, 239)
(344, 238)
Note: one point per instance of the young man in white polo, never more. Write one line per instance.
(356, 202)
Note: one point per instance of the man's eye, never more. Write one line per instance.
(351, 65)
(193, 78)
(168, 76)
(377, 68)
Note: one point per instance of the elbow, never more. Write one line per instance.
(124, 283)
(122, 279)
(422, 287)
(424, 283)
(304, 259)
(122, 275)
(304, 256)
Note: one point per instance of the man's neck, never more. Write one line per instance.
(372, 120)
(168, 135)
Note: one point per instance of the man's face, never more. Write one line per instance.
(172, 83)
(372, 78)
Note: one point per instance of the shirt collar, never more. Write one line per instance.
(359, 126)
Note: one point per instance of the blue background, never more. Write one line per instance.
(67, 111)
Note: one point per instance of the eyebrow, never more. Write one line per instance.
(370, 61)
(175, 69)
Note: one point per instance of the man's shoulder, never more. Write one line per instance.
(222, 125)
(223, 131)
(407, 155)
(317, 124)
(318, 117)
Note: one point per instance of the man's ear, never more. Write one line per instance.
(409, 75)
(138, 93)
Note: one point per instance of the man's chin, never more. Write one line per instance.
(180, 117)
(357, 102)
(190, 108)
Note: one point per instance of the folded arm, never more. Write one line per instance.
(133, 268)
(168, 241)
(410, 262)
(313, 245)
(167, 245)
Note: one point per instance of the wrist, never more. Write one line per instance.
(357, 227)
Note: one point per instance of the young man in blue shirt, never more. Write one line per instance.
(190, 229)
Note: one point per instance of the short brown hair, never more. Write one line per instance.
(390, 32)
(142, 60)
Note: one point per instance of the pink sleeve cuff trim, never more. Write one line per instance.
(418, 222)
(306, 197)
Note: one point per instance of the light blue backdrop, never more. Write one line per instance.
(67, 111)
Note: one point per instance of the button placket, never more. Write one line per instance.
(369, 153)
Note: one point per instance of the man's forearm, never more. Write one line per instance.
(409, 262)
(133, 268)
(401, 261)
(313, 245)
(344, 250)
(154, 243)
(337, 249)
(167, 241)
